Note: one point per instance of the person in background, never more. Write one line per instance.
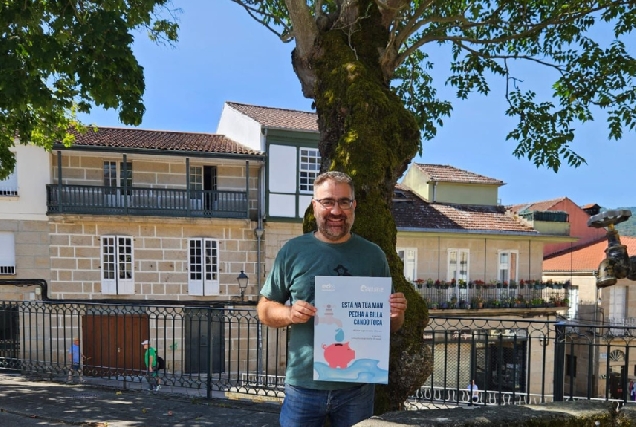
(632, 391)
(473, 393)
(332, 250)
(75, 358)
(150, 359)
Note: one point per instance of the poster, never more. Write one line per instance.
(352, 329)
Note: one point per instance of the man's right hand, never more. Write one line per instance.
(301, 312)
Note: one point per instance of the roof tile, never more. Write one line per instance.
(160, 140)
(279, 117)
(544, 205)
(446, 173)
(584, 257)
(410, 211)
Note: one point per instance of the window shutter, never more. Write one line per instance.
(109, 281)
(126, 280)
(211, 263)
(195, 267)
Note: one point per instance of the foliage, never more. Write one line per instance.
(628, 228)
(60, 58)
(487, 40)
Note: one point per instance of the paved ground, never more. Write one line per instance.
(28, 402)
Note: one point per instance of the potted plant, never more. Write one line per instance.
(477, 302)
(453, 302)
(522, 284)
(462, 284)
(429, 283)
(419, 283)
(513, 284)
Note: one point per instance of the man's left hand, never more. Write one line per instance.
(398, 304)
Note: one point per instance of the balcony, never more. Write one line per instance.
(145, 201)
(496, 299)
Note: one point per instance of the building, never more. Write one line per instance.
(560, 216)
(138, 217)
(601, 318)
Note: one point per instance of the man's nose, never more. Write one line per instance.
(336, 208)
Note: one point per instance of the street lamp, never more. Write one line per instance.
(242, 280)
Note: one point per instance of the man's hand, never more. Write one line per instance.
(398, 304)
(301, 312)
(277, 315)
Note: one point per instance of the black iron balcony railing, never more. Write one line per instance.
(99, 200)
(457, 297)
(222, 351)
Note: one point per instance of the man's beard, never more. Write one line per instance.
(334, 233)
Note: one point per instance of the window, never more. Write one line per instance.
(117, 265)
(309, 169)
(110, 177)
(9, 185)
(203, 267)
(458, 264)
(409, 257)
(7, 254)
(508, 266)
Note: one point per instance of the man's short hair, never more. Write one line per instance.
(340, 177)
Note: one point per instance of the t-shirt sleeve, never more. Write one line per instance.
(276, 285)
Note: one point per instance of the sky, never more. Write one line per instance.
(224, 55)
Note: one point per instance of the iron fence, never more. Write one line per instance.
(221, 351)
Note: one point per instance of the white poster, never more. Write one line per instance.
(352, 329)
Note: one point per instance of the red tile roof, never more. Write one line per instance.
(544, 205)
(410, 211)
(445, 173)
(585, 257)
(160, 140)
(279, 117)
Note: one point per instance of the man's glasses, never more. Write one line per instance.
(345, 204)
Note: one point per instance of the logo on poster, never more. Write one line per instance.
(328, 287)
(365, 288)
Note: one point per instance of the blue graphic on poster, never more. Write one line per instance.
(352, 329)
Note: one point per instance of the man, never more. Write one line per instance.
(473, 393)
(150, 359)
(331, 251)
(74, 357)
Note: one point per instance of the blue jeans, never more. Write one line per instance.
(304, 407)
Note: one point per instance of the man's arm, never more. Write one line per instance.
(277, 315)
(398, 307)
(151, 361)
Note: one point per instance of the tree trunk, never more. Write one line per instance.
(366, 132)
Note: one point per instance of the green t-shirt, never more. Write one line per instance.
(293, 278)
(151, 352)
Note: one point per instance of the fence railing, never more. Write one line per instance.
(223, 350)
(475, 297)
(100, 200)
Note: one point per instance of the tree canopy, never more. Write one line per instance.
(487, 38)
(60, 58)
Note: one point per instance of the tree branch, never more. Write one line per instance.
(304, 28)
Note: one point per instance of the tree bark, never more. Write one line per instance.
(366, 132)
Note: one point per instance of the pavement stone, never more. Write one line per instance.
(33, 402)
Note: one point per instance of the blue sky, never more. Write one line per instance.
(224, 55)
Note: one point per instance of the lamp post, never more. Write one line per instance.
(242, 280)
